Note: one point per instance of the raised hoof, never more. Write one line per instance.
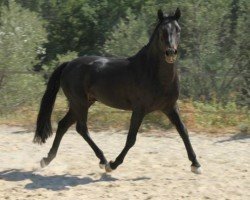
(102, 166)
(196, 170)
(43, 163)
(108, 167)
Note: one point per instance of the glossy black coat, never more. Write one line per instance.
(145, 82)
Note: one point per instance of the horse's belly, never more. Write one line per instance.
(112, 98)
(118, 103)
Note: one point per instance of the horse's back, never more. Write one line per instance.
(101, 78)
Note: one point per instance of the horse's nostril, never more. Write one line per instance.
(170, 51)
(175, 51)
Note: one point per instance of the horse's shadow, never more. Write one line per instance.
(56, 182)
(239, 136)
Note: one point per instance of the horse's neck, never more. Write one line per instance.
(154, 64)
(166, 72)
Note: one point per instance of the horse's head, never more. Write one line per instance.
(169, 34)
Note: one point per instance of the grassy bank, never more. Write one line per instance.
(198, 116)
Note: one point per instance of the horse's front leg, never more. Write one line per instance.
(136, 120)
(174, 117)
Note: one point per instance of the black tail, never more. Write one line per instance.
(43, 124)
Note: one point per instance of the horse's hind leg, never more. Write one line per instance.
(63, 126)
(82, 129)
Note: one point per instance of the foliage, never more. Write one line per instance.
(80, 25)
(21, 37)
(128, 37)
(20, 90)
(213, 53)
(60, 58)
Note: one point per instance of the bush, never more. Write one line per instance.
(20, 90)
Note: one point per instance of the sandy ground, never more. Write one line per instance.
(156, 168)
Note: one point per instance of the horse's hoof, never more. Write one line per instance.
(43, 163)
(196, 170)
(102, 166)
(108, 167)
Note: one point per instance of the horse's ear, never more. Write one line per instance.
(177, 14)
(160, 15)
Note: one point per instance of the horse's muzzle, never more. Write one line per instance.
(170, 55)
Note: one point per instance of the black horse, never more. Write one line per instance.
(145, 82)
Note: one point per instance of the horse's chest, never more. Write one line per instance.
(165, 95)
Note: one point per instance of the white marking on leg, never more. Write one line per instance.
(102, 166)
(108, 168)
(42, 163)
(196, 170)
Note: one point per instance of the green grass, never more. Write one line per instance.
(220, 116)
(198, 116)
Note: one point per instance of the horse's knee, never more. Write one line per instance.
(83, 131)
(81, 128)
